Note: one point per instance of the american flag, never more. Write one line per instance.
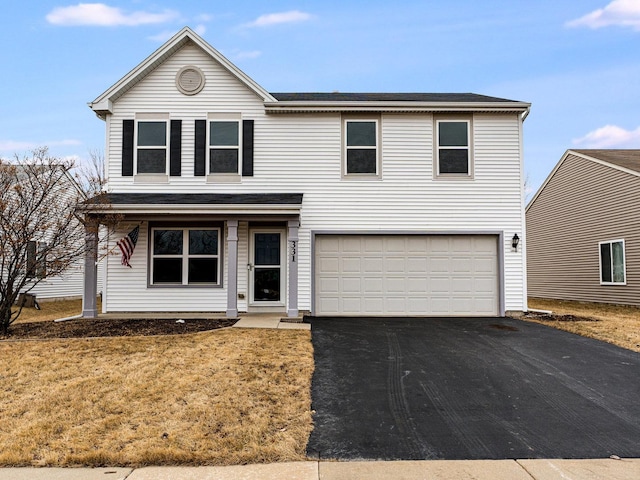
(127, 244)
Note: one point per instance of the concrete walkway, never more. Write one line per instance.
(605, 469)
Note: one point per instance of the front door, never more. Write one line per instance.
(266, 269)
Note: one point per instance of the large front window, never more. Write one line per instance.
(612, 264)
(151, 147)
(189, 256)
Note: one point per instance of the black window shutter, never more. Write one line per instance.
(247, 148)
(127, 148)
(175, 148)
(200, 148)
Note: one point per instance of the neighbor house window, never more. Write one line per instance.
(36, 267)
(361, 147)
(151, 146)
(224, 146)
(453, 147)
(185, 256)
(612, 263)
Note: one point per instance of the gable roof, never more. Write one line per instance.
(624, 160)
(104, 103)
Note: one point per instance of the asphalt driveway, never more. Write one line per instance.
(469, 388)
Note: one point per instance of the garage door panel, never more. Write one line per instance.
(439, 264)
(373, 285)
(395, 265)
(462, 264)
(417, 264)
(351, 265)
(373, 264)
(395, 285)
(406, 275)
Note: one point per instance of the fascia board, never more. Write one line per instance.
(103, 102)
(236, 209)
(297, 106)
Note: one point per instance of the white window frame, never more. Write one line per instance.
(151, 117)
(624, 261)
(223, 117)
(378, 148)
(468, 147)
(185, 256)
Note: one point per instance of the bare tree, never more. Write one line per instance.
(41, 234)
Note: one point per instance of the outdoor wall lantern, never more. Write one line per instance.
(515, 241)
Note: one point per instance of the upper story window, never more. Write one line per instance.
(453, 148)
(361, 147)
(612, 263)
(224, 146)
(185, 256)
(151, 146)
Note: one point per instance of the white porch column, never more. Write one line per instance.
(90, 292)
(232, 268)
(292, 241)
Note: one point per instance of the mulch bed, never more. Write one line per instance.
(85, 327)
(559, 318)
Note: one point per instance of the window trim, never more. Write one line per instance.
(468, 119)
(185, 255)
(624, 261)
(223, 176)
(151, 117)
(378, 148)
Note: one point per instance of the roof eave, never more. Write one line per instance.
(383, 106)
(185, 209)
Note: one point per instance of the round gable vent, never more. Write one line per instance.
(190, 80)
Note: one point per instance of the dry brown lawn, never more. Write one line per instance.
(616, 324)
(52, 310)
(230, 396)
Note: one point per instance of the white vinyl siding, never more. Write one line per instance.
(303, 153)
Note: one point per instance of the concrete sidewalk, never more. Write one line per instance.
(605, 469)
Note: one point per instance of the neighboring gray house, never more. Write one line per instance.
(330, 203)
(583, 229)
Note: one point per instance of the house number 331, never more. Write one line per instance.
(293, 251)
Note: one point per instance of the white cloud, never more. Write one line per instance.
(200, 29)
(293, 16)
(99, 14)
(610, 136)
(623, 13)
(247, 55)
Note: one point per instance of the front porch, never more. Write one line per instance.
(198, 253)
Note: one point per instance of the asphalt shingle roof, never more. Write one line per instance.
(385, 97)
(623, 158)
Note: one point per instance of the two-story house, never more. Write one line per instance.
(328, 203)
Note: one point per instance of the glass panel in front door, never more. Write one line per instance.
(266, 272)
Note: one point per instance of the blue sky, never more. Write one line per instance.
(577, 62)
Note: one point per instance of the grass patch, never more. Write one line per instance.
(52, 311)
(616, 324)
(226, 397)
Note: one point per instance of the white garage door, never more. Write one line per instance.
(406, 275)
